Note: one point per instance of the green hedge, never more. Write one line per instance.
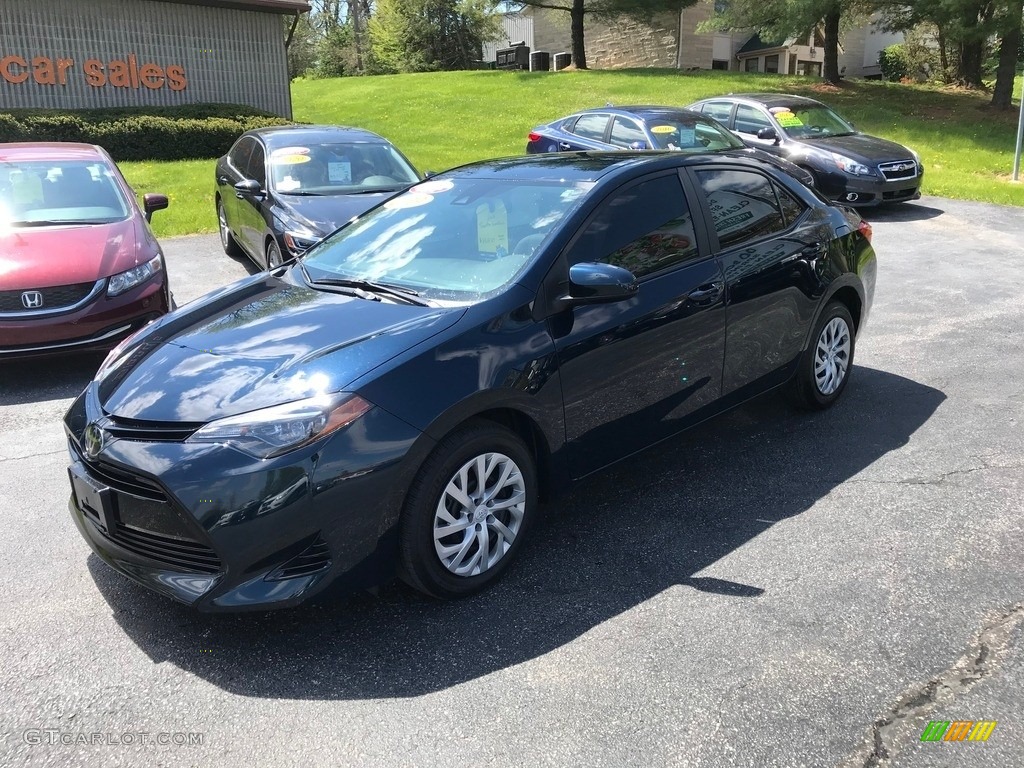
(196, 131)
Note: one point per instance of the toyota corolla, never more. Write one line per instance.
(400, 398)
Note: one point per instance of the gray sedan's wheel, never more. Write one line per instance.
(227, 240)
(824, 368)
(467, 511)
(273, 255)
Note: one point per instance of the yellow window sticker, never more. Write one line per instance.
(662, 129)
(289, 159)
(788, 120)
(492, 228)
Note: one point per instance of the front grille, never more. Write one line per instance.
(315, 558)
(901, 169)
(149, 431)
(177, 553)
(56, 297)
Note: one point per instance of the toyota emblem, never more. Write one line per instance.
(93, 441)
(32, 299)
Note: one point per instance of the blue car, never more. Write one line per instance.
(646, 127)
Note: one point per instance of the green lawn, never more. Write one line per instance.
(444, 119)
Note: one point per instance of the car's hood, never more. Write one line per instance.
(263, 342)
(40, 257)
(869, 150)
(325, 213)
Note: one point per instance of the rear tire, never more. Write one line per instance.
(227, 240)
(467, 512)
(825, 366)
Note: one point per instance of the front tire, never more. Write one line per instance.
(274, 259)
(467, 511)
(824, 368)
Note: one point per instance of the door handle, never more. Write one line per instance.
(223, 180)
(564, 145)
(706, 294)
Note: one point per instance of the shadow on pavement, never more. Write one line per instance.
(901, 212)
(650, 523)
(37, 380)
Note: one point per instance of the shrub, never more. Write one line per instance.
(194, 131)
(893, 62)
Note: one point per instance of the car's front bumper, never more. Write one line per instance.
(869, 191)
(97, 326)
(218, 530)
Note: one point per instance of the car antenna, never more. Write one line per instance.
(608, 104)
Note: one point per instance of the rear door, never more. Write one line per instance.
(637, 371)
(590, 131)
(252, 223)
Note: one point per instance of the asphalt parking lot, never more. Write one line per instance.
(771, 589)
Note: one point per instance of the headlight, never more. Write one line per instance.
(124, 281)
(851, 166)
(281, 428)
(300, 242)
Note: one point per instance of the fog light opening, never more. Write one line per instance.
(852, 197)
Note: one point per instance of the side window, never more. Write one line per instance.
(626, 132)
(750, 120)
(591, 127)
(791, 207)
(719, 110)
(257, 166)
(644, 228)
(239, 154)
(743, 205)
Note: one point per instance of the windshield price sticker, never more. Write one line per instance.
(492, 228)
(339, 172)
(787, 119)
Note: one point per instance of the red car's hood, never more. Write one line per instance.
(40, 257)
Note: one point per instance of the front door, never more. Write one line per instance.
(636, 371)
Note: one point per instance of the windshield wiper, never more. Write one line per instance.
(304, 194)
(373, 190)
(54, 222)
(367, 289)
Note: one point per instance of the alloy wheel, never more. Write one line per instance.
(832, 356)
(479, 515)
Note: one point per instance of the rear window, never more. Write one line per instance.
(41, 193)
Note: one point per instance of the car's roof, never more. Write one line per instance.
(282, 135)
(639, 110)
(767, 99)
(588, 166)
(50, 150)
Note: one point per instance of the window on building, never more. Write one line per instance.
(771, 63)
(719, 64)
(743, 206)
(750, 65)
(644, 228)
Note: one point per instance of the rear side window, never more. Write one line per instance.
(644, 228)
(743, 205)
(719, 110)
(791, 207)
(626, 132)
(591, 127)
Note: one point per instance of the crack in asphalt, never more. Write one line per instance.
(907, 716)
(32, 455)
(942, 477)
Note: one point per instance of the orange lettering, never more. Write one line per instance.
(176, 78)
(133, 67)
(5, 69)
(119, 77)
(62, 70)
(94, 73)
(152, 76)
(42, 71)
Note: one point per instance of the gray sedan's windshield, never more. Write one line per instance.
(811, 121)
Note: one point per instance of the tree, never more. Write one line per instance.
(578, 10)
(1009, 22)
(793, 18)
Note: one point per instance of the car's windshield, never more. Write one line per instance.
(338, 169)
(690, 134)
(41, 193)
(811, 121)
(449, 239)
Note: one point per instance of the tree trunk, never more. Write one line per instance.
(943, 59)
(831, 69)
(579, 52)
(1009, 45)
(969, 64)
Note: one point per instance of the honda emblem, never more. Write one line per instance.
(32, 299)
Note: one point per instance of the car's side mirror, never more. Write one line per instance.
(596, 283)
(152, 202)
(248, 187)
(768, 134)
(638, 145)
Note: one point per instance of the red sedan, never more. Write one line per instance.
(79, 266)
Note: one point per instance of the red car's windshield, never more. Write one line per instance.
(40, 193)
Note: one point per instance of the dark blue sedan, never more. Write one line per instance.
(401, 398)
(646, 127)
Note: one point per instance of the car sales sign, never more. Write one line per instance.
(126, 72)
